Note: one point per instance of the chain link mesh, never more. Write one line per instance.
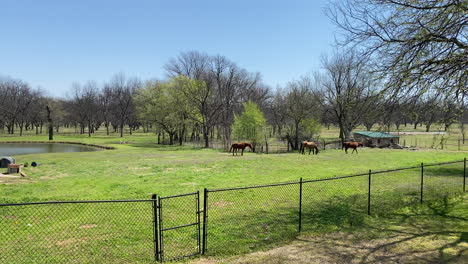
(239, 220)
(395, 189)
(443, 180)
(251, 217)
(333, 203)
(180, 226)
(77, 233)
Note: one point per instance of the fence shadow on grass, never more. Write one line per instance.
(431, 233)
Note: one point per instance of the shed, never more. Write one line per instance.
(5, 161)
(376, 138)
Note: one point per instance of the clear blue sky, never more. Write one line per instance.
(54, 43)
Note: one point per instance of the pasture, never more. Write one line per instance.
(140, 168)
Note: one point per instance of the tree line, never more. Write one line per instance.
(203, 95)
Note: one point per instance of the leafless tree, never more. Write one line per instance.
(348, 89)
(122, 91)
(411, 42)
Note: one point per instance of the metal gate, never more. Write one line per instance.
(178, 227)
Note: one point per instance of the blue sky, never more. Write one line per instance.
(52, 44)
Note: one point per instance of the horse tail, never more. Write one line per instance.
(316, 150)
(230, 149)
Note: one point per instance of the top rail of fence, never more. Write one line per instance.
(178, 195)
(79, 202)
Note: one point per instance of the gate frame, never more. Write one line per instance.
(160, 250)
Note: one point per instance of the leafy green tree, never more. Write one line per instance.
(309, 127)
(250, 124)
(158, 103)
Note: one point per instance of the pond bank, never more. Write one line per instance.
(59, 142)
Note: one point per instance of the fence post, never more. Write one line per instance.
(160, 216)
(154, 197)
(459, 141)
(422, 181)
(464, 175)
(369, 194)
(300, 205)
(198, 220)
(205, 216)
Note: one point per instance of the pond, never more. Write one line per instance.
(13, 149)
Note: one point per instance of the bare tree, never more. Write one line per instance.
(122, 92)
(348, 89)
(300, 103)
(410, 42)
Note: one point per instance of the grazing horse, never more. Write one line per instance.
(311, 146)
(242, 145)
(353, 145)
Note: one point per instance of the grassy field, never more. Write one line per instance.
(138, 169)
(432, 233)
(255, 219)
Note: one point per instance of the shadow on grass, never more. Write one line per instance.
(431, 233)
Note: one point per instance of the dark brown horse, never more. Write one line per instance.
(241, 145)
(311, 146)
(353, 145)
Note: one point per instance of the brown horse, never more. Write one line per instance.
(241, 145)
(311, 146)
(353, 145)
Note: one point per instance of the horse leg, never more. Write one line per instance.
(346, 150)
(242, 152)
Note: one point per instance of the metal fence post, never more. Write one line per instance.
(198, 221)
(154, 197)
(369, 194)
(160, 216)
(205, 216)
(422, 181)
(300, 205)
(464, 175)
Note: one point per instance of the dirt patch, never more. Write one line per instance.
(71, 241)
(13, 179)
(88, 226)
(347, 248)
(222, 204)
(54, 177)
(418, 133)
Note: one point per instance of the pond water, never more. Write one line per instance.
(13, 149)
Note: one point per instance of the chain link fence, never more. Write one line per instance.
(216, 222)
(179, 226)
(77, 232)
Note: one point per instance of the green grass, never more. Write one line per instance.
(254, 219)
(432, 233)
(141, 168)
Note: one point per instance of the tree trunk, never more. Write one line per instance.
(206, 136)
(50, 124)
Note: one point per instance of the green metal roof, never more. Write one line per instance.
(376, 134)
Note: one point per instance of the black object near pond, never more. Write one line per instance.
(13, 149)
(5, 161)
